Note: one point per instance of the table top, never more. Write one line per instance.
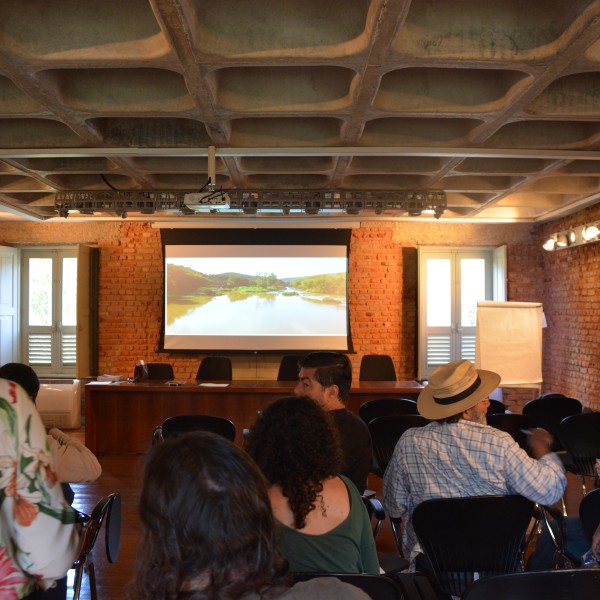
(250, 385)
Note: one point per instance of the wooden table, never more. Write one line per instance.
(120, 418)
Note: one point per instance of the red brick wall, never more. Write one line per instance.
(383, 293)
(571, 296)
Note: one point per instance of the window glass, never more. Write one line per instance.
(40, 291)
(439, 297)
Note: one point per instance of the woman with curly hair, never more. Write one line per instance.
(323, 518)
(208, 532)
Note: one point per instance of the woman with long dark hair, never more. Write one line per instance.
(208, 531)
(324, 521)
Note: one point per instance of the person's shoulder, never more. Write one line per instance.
(17, 404)
(343, 415)
(486, 433)
(323, 588)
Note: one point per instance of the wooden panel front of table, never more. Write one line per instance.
(120, 418)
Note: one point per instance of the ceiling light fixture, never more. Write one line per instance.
(579, 235)
(250, 202)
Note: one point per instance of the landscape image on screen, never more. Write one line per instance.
(250, 301)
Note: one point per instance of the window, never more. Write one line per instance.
(49, 286)
(451, 282)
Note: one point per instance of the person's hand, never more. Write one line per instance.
(540, 442)
(596, 544)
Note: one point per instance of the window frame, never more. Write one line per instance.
(460, 340)
(57, 330)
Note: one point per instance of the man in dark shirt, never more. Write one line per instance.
(325, 377)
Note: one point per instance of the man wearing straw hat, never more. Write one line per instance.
(458, 455)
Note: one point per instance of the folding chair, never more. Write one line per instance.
(180, 424)
(580, 435)
(549, 411)
(470, 538)
(576, 584)
(383, 407)
(107, 509)
(385, 433)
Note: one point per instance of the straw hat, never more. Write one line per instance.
(454, 388)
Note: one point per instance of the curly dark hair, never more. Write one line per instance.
(295, 443)
(207, 527)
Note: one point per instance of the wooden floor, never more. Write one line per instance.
(123, 473)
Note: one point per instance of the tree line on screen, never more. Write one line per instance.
(183, 281)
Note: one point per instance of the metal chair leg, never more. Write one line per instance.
(77, 582)
(92, 581)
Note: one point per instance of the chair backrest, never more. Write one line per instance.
(382, 407)
(107, 509)
(513, 424)
(377, 367)
(549, 411)
(288, 367)
(496, 407)
(576, 584)
(464, 536)
(379, 587)
(217, 368)
(580, 435)
(551, 395)
(385, 433)
(160, 371)
(180, 424)
(589, 512)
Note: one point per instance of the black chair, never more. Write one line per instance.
(288, 367)
(580, 435)
(575, 584)
(467, 538)
(378, 587)
(513, 424)
(160, 371)
(390, 563)
(549, 411)
(215, 368)
(180, 424)
(377, 367)
(589, 512)
(107, 509)
(385, 433)
(383, 407)
(496, 407)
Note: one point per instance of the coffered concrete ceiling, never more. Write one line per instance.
(496, 103)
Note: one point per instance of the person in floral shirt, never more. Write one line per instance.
(39, 538)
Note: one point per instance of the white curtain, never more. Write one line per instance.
(509, 341)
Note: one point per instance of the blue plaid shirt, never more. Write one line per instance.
(449, 460)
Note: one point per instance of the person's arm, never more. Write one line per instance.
(541, 479)
(74, 462)
(395, 492)
(596, 544)
(540, 442)
(44, 536)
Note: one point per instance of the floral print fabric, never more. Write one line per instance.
(38, 535)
